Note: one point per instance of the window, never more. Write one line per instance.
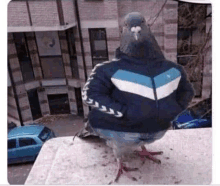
(59, 104)
(191, 39)
(12, 144)
(45, 134)
(26, 142)
(52, 67)
(98, 43)
(72, 52)
(23, 56)
(79, 102)
(50, 54)
(34, 103)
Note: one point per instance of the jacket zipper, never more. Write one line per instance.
(155, 95)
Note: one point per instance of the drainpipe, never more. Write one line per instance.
(29, 13)
(15, 94)
(80, 37)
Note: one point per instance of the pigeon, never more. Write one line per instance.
(135, 97)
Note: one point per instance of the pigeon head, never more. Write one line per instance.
(137, 39)
(134, 23)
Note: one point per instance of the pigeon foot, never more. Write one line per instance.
(123, 169)
(147, 154)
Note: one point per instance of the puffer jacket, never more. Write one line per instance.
(134, 95)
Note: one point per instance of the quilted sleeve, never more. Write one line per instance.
(96, 93)
(185, 92)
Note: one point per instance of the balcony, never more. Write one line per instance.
(187, 159)
(48, 15)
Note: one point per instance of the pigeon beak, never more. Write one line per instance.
(136, 36)
(136, 31)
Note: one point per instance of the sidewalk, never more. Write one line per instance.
(62, 125)
(186, 160)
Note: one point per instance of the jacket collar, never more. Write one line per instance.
(136, 60)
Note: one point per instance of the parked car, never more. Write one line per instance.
(197, 116)
(25, 142)
(11, 125)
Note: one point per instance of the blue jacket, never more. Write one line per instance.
(135, 95)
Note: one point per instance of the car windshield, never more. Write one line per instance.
(44, 134)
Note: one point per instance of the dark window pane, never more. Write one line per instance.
(21, 46)
(23, 56)
(71, 42)
(184, 41)
(191, 28)
(72, 52)
(52, 67)
(184, 60)
(45, 134)
(34, 103)
(74, 67)
(26, 142)
(11, 144)
(191, 40)
(59, 104)
(98, 45)
(79, 102)
(27, 70)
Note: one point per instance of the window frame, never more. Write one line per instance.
(181, 54)
(29, 58)
(43, 57)
(26, 139)
(45, 77)
(73, 58)
(92, 44)
(45, 129)
(15, 144)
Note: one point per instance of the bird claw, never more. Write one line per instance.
(156, 160)
(146, 154)
(124, 169)
(156, 153)
(130, 169)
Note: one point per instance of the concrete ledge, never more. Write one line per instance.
(40, 28)
(32, 85)
(186, 160)
(53, 82)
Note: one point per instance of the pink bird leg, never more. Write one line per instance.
(122, 169)
(147, 154)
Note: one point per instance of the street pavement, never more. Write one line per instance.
(62, 125)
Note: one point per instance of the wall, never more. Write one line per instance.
(12, 108)
(48, 85)
(18, 80)
(40, 15)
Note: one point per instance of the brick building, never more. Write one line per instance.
(54, 44)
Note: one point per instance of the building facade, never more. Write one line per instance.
(53, 46)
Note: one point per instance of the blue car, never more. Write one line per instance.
(25, 142)
(198, 116)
